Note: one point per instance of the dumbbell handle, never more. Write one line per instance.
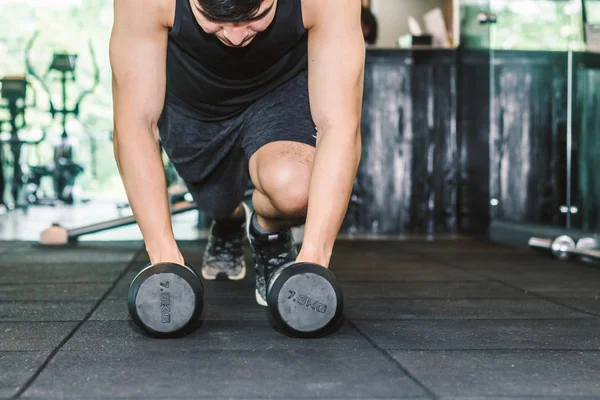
(586, 252)
(540, 243)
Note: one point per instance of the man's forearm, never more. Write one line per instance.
(332, 179)
(140, 164)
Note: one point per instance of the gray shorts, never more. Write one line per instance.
(212, 157)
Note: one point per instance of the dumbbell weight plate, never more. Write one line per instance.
(561, 246)
(587, 244)
(305, 300)
(166, 300)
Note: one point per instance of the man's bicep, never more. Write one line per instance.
(138, 48)
(139, 78)
(336, 65)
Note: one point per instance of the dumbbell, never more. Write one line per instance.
(166, 300)
(305, 300)
(564, 248)
(559, 247)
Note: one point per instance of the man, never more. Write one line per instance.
(266, 88)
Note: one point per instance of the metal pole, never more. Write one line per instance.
(569, 132)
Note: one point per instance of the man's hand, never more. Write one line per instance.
(172, 255)
(310, 254)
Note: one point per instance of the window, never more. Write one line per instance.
(593, 11)
(66, 26)
(528, 24)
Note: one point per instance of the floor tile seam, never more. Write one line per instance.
(363, 319)
(477, 319)
(36, 322)
(354, 319)
(56, 263)
(522, 297)
(17, 246)
(459, 281)
(449, 263)
(220, 350)
(27, 301)
(542, 297)
(24, 351)
(497, 350)
(346, 297)
(567, 296)
(52, 258)
(40, 283)
(554, 301)
(521, 397)
(69, 335)
(20, 283)
(430, 394)
(128, 255)
(242, 398)
(45, 321)
(199, 346)
(345, 280)
(559, 301)
(58, 300)
(338, 398)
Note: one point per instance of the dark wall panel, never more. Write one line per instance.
(586, 148)
(527, 137)
(474, 141)
(408, 173)
(441, 140)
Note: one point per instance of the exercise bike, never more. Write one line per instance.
(64, 169)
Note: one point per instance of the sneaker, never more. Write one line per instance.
(270, 251)
(224, 254)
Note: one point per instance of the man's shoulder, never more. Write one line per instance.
(312, 10)
(165, 11)
(167, 8)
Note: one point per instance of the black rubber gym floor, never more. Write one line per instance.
(451, 319)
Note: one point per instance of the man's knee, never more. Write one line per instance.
(286, 186)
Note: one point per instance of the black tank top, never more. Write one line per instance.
(210, 81)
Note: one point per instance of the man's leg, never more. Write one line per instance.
(281, 172)
(224, 253)
(279, 139)
(219, 197)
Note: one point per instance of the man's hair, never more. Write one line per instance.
(369, 20)
(230, 10)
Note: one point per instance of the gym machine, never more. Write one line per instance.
(64, 170)
(14, 90)
(179, 198)
(58, 235)
(180, 203)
